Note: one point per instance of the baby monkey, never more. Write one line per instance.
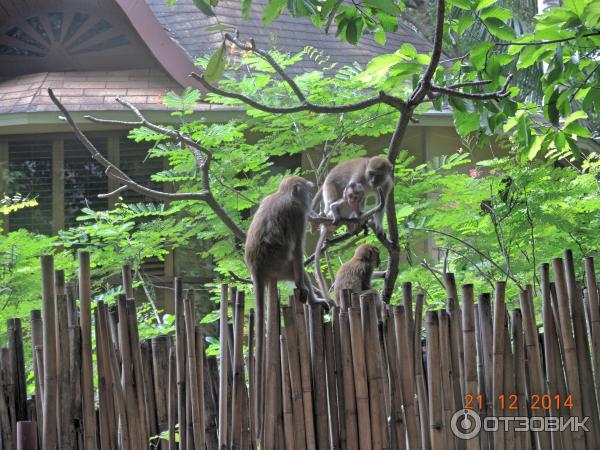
(356, 273)
(350, 206)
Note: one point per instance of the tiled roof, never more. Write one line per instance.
(86, 91)
(187, 26)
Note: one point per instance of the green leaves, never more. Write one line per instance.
(216, 65)
(205, 7)
(466, 122)
(273, 10)
(499, 29)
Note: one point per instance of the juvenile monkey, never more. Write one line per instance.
(350, 206)
(356, 273)
(371, 173)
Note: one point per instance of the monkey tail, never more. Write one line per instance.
(318, 273)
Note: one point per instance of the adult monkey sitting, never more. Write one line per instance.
(373, 174)
(275, 252)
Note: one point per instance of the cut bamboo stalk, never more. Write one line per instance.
(160, 371)
(27, 435)
(49, 437)
(87, 381)
(332, 399)
(7, 431)
(36, 341)
(523, 438)
(470, 353)
(114, 382)
(180, 356)
(200, 357)
(306, 376)
(379, 436)
(352, 439)
(173, 396)
(238, 372)
(422, 394)
(397, 426)
(360, 379)
(223, 362)
(586, 377)
(594, 308)
(74, 415)
(445, 364)
(436, 424)
(197, 402)
(509, 386)
(498, 361)
(127, 375)
(483, 435)
(570, 352)
(251, 381)
(458, 357)
(407, 379)
(273, 413)
(211, 408)
(149, 393)
(551, 353)
(106, 413)
(339, 377)
(14, 334)
(288, 414)
(486, 332)
(319, 375)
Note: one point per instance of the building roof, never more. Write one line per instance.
(86, 91)
(103, 45)
(183, 21)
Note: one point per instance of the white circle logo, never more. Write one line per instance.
(465, 424)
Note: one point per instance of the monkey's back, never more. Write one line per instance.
(351, 275)
(277, 228)
(344, 171)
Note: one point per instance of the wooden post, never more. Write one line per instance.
(360, 379)
(49, 437)
(594, 308)
(436, 424)
(352, 439)
(87, 380)
(26, 435)
(238, 373)
(570, 352)
(422, 395)
(160, 370)
(469, 352)
(181, 363)
(273, 413)
(36, 341)
(223, 362)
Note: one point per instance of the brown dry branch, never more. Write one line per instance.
(201, 154)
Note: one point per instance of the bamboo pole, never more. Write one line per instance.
(197, 401)
(422, 394)
(470, 352)
(436, 424)
(445, 349)
(286, 394)
(180, 357)
(87, 385)
(148, 389)
(49, 437)
(570, 352)
(238, 372)
(498, 361)
(273, 413)
(594, 308)
(332, 399)
(173, 397)
(407, 379)
(586, 377)
(223, 362)
(397, 426)
(360, 379)
(350, 416)
(160, 370)
(35, 317)
(339, 376)
(319, 375)
(306, 376)
(26, 435)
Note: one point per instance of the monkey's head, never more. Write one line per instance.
(354, 193)
(368, 253)
(299, 188)
(378, 170)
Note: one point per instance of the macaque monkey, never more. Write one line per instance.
(371, 173)
(350, 206)
(356, 273)
(275, 252)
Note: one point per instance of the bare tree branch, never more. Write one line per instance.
(496, 95)
(114, 172)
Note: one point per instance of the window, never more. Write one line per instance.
(30, 173)
(84, 179)
(135, 163)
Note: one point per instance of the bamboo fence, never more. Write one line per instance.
(365, 376)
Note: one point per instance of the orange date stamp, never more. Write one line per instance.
(511, 402)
